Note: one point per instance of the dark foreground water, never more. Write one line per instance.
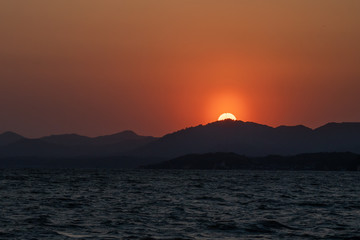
(147, 204)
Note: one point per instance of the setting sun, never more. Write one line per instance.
(225, 116)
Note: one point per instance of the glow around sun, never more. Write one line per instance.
(225, 116)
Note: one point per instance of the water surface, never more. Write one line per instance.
(160, 204)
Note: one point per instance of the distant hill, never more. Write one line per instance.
(35, 148)
(73, 145)
(241, 138)
(78, 140)
(68, 140)
(254, 139)
(9, 137)
(314, 161)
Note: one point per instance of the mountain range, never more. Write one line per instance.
(244, 138)
(71, 145)
(254, 139)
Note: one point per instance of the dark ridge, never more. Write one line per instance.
(336, 161)
(119, 137)
(242, 138)
(254, 139)
(36, 147)
(67, 139)
(331, 125)
(9, 137)
(78, 140)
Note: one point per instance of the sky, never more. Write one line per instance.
(98, 67)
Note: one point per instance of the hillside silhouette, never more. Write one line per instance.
(9, 137)
(241, 138)
(252, 139)
(73, 145)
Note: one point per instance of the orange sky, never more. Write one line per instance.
(98, 67)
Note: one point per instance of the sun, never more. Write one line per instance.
(225, 116)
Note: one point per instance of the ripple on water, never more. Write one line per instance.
(138, 204)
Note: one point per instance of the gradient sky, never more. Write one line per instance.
(97, 67)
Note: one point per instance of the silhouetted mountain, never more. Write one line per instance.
(68, 139)
(9, 137)
(314, 161)
(338, 137)
(120, 137)
(76, 140)
(254, 139)
(73, 145)
(36, 148)
(245, 138)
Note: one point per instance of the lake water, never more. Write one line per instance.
(151, 204)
